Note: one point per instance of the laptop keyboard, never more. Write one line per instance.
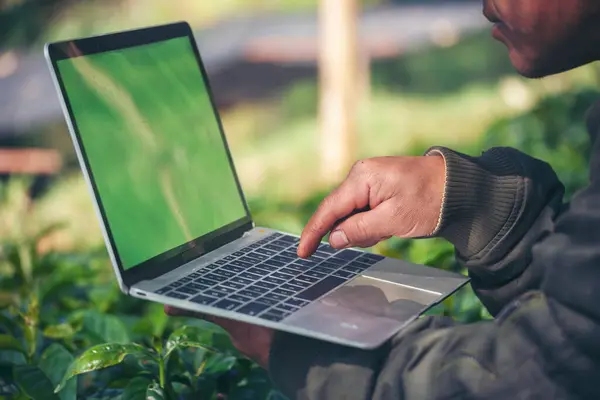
(267, 279)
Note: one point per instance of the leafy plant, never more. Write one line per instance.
(165, 370)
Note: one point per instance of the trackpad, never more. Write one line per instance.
(382, 299)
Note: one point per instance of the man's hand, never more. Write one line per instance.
(251, 340)
(403, 196)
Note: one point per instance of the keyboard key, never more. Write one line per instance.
(257, 256)
(289, 238)
(195, 275)
(233, 285)
(267, 267)
(305, 263)
(309, 279)
(292, 288)
(289, 271)
(250, 293)
(344, 274)
(274, 263)
(348, 254)
(274, 280)
(281, 259)
(321, 288)
(329, 265)
(268, 301)
(239, 253)
(163, 290)
(325, 248)
(187, 290)
(197, 286)
(290, 253)
(265, 285)
(266, 252)
(248, 275)
(215, 293)
(229, 258)
(322, 254)
(273, 247)
(375, 257)
(224, 272)
(271, 317)
(204, 281)
(177, 295)
(300, 283)
(185, 279)
(336, 261)
(227, 304)
(283, 292)
(286, 307)
(281, 313)
(203, 299)
(241, 299)
(314, 273)
(221, 262)
(215, 277)
(275, 235)
(297, 267)
(242, 264)
(241, 281)
(279, 275)
(321, 270)
(253, 308)
(296, 302)
(258, 271)
(275, 296)
(282, 243)
(258, 289)
(357, 269)
(235, 268)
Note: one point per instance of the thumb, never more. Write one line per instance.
(364, 229)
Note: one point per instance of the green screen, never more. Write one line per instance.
(153, 145)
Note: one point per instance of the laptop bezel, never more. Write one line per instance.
(176, 257)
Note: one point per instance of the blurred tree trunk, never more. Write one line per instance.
(339, 65)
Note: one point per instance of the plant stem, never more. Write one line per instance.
(162, 372)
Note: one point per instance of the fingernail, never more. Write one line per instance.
(338, 239)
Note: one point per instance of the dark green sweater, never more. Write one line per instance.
(534, 263)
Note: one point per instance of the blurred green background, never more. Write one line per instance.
(454, 88)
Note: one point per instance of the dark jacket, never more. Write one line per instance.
(534, 263)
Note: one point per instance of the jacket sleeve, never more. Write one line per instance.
(496, 206)
(542, 345)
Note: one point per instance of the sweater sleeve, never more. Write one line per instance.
(496, 206)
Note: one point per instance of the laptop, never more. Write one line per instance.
(177, 227)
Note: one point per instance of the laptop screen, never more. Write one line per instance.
(154, 146)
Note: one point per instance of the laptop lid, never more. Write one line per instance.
(151, 146)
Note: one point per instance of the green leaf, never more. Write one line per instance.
(102, 328)
(34, 383)
(62, 331)
(8, 342)
(192, 336)
(100, 357)
(219, 363)
(137, 388)
(155, 392)
(54, 363)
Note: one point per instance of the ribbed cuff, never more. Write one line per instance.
(482, 197)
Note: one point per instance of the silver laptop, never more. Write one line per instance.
(176, 224)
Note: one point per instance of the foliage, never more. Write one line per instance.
(56, 305)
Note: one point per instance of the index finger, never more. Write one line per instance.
(339, 204)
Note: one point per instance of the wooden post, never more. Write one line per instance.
(339, 86)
